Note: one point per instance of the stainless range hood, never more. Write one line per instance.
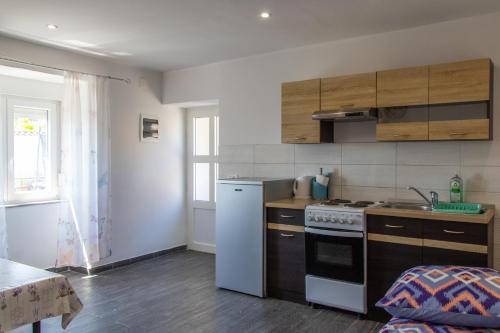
(346, 115)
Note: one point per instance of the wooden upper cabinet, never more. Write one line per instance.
(465, 81)
(298, 102)
(349, 92)
(403, 87)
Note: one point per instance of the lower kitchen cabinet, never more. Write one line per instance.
(396, 244)
(285, 258)
(386, 261)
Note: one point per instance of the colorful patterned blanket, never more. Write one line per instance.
(396, 325)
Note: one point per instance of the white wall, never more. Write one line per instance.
(249, 91)
(148, 203)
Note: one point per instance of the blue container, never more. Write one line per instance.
(319, 192)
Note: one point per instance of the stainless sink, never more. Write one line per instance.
(407, 205)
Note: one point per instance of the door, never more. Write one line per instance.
(337, 255)
(349, 92)
(403, 87)
(466, 81)
(202, 161)
(299, 100)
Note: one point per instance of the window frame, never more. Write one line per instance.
(53, 110)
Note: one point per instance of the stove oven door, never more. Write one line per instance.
(337, 255)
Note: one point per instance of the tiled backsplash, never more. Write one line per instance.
(379, 171)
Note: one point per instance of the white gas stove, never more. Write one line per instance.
(338, 214)
(336, 254)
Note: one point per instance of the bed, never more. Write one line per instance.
(444, 299)
(397, 325)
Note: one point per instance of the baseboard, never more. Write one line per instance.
(202, 247)
(106, 267)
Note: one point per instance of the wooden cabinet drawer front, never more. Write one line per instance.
(435, 256)
(470, 129)
(395, 226)
(411, 131)
(403, 87)
(349, 92)
(464, 81)
(285, 216)
(457, 232)
(286, 260)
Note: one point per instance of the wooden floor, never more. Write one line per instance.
(176, 293)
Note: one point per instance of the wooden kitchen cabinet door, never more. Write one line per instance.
(349, 92)
(403, 87)
(465, 81)
(299, 100)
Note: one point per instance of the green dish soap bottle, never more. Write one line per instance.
(456, 189)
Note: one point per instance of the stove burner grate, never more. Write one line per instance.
(335, 202)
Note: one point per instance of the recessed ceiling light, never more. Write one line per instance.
(121, 54)
(52, 26)
(265, 15)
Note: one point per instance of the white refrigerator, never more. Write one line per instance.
(240, 231)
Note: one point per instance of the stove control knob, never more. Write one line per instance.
(341, 221)
(349, 221)
(335, 220)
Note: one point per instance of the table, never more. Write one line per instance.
(29, 295)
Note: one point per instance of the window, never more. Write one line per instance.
(31, 149)
(203, 155)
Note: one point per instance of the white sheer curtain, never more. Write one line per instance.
(84, 223)
(3, 228)
(3, 222)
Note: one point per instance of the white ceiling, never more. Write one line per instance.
(172, 34)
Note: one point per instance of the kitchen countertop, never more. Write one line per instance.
(291, 203)
(485, 217)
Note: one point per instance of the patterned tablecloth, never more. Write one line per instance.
(28, 295)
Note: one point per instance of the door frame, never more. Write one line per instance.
(194, 112)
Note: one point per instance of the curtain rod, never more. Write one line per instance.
(64, 70)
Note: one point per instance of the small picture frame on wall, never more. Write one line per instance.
(150, 128)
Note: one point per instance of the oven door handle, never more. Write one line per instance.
(333, 233)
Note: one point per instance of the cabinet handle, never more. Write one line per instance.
(458, 133)
(395, 226)
(287, 235)
(454, 232)
(287, 216)
(401, 135)
(347, 105)
(299, 138)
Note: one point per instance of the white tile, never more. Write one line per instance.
(337, 193)
(273, 170)
(425, 176)
(313, 169)
(481, 179)
(318, 154)
(481, 153)
(405, 194)
(273, 153)
(369, 175)
(369, 153)
(228, 170)
(485, 198)
(357, 193)
(236, 154)
(428, 153)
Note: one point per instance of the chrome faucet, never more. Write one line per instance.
(434, 196)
